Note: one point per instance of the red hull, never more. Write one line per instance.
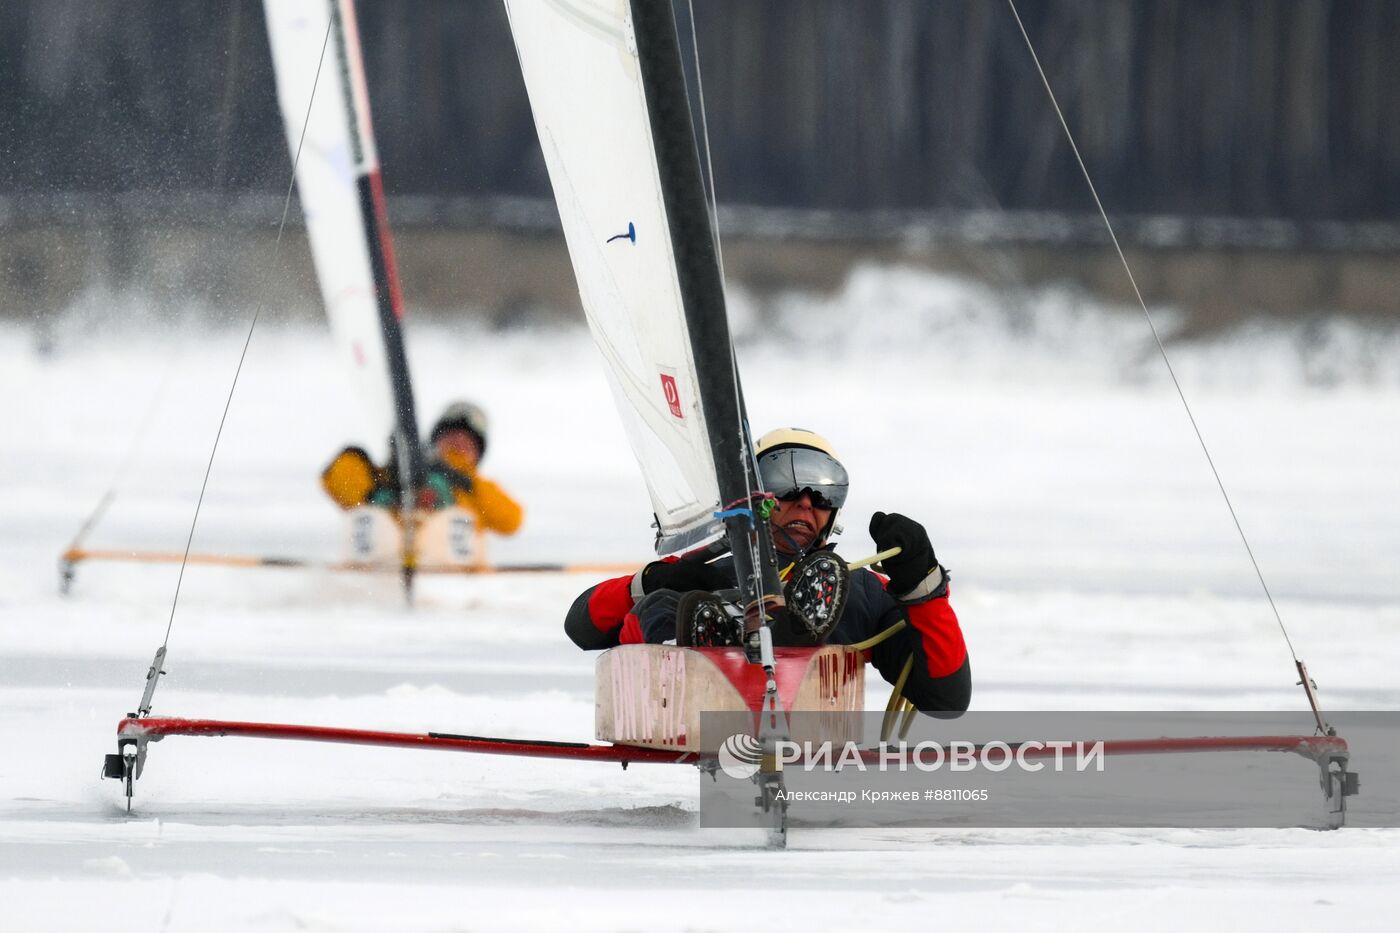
(1310, 746)
(153, 728)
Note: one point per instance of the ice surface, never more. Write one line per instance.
(1094, 566)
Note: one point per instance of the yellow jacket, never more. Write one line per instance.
(353, 480)
(495, 509)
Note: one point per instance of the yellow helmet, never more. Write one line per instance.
(791, 460)
(793, 437)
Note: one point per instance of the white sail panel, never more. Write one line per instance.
(337, 151)
(580, 66)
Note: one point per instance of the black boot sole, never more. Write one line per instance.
(816, 592)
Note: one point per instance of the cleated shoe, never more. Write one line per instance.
(703, 620)
(816, 591)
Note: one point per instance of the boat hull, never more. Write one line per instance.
(653, 696)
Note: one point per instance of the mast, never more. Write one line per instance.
(390, 304)
(325, 108)
(369, 186)
(702, 294)
(608, 94)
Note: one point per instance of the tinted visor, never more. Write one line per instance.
(788, 471)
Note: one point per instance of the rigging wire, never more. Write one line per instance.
(749, 465)
(137, 442)
(705, 138)
(1161, 347)
(158, 396)
(247, 340)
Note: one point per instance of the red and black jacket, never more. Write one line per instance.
(940, 680)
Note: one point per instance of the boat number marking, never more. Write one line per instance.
(459, 537)
(362, 534)
(673, 394)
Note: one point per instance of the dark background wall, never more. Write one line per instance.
(1256, 108)
(1249, 151)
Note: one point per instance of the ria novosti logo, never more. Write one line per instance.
(741, 753)
(739, 756)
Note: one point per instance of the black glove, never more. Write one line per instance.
(683, 576)
(915, 561)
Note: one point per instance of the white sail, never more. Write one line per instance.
(585, 86)
(337, 175)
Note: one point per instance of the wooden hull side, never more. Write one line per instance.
(451, 538)
(652, 696)
(447, 539)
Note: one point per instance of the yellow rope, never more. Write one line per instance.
(898, 704)
(910, 711)
(873, 559)
(896, 699)
(878, 637)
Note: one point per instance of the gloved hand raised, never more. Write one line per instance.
(915, 564)
(683, 576)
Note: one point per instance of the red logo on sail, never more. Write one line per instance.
(673, 394)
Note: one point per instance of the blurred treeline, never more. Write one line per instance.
(1254, 108)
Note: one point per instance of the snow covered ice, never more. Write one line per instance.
(1094, 567)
